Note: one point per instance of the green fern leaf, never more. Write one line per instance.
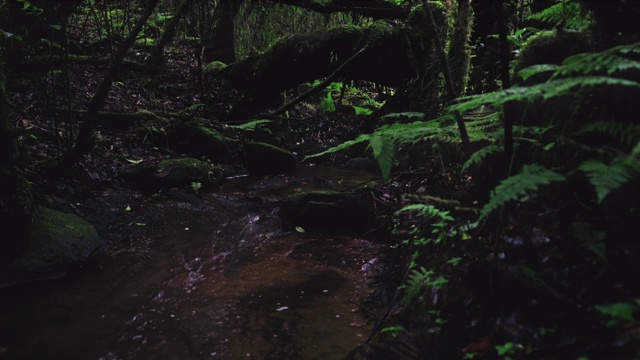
(567, 14)
(536, 69)
(478, 156)
(344, 145)
(251, 125)
(626, 134)
(515, 187)
(384, 152)
(403, 115)
(619, 59)
(591, 239)
(544, 91)
(606, 178)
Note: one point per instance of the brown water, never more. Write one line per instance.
(215, 278)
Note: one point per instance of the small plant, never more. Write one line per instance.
(196, 186)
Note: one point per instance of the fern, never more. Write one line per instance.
(544, 91)
(251, 125)
(384, 152)
(591, 239)
(626, 134)
(621, 59)
(478, 156)
(419, 279)
(416, 281)
(606, 178)
(516, 187)
(403, 115)
(533, 70)
(568, 14)
(344, 145)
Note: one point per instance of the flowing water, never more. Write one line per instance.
(210, 277)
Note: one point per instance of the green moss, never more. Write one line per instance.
(57, 241)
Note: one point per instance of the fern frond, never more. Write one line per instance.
(567, 14)
(402, 115)
(478, 156)
(544, 91)
(515, 187)
(617, 60)
(536, 69)
(416, 282)
(384, 151)
(626, 134)
(590, 239)
(251, 125)
(606, 178)
(344, 145)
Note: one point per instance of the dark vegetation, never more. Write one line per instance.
(506, 133)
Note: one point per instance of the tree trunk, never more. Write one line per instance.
(453, 91)
(460, 50)
(221, 45)
(156, 58)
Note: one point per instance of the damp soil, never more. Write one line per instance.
(206, 276)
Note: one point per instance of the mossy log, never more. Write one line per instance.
(298, 59)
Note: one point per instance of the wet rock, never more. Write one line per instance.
(361, 163)
(173, 173)
(196, 139)
(263, 159)
(58, 242)
(330, 210)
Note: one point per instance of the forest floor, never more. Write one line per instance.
(500, 313)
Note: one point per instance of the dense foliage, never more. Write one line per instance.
(519, 240)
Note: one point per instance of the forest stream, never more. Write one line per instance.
(213, 276)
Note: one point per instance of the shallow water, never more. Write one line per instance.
(212, 278)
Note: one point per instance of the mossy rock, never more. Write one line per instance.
(174, 173)
(57, 242)
(330, 210)
(195, 139)
(262, 159)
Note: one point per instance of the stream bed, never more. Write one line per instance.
(213, 276)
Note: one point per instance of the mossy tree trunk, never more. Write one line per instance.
(221, 45)
(156, 58)
(459, 55)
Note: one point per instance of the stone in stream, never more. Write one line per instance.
(264, 159)
(330, 210)
(179, 173)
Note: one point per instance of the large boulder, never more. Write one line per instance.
(173, 173)
(58, 242)
(265, 159)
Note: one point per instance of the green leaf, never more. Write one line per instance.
(384, 152)
(618, 312)
(362, 110)
(536, 69)
(516, 187)
(606, 178)
(300, 229)
(252, 125)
